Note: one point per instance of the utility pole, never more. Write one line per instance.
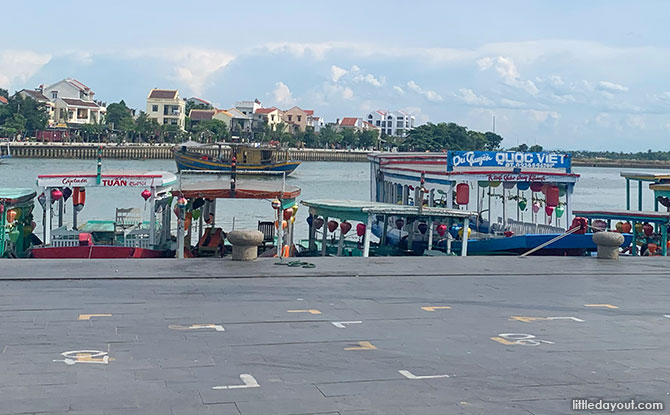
(494, 124)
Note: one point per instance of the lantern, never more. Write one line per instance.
(198, 203)
(276, 204)
(332, 225)
(549, 210)
(295, 209)
(422, 228)
(310, 220)
(318, 223)
(399, 223)
(536, 207)
(483, 183)
(2, 209)
(462, 194)
(552, 196)
(648, 229)
(460, 233)
(146, 194)
(11, 215)
(536, 186)
(42, 199)
(14, 235)
(626, 227)
(196, 214)
(599, 225)
(441, 229)
(509, 185)
(560, 210)
(360, 229)
(67, 192)
(494, 184)
(523, 186)
(56, 194)
(523, 204)
(345, 227)
(181, 202)
(284, 224)
(288, 213)
(638, 227)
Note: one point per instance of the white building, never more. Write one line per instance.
(394, 123)
(248, 107)
(67, 88)
(165, 106)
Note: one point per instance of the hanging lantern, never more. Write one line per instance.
(522, 205)
(509, 185)
(549, 210)
(181, 202)
(284, 224)
(399, 223)
(2, 209)
(638, 227)
(198, 203)
(11, 215)
(494, 183)
(196, 214)
(536, 186)
(177, 211)
(318, 223)
(552, 196)
(360, 229)
(422, 228)
(345, 227)
(310, 220)
(523, 186)
(462, 193)
(627, 227)
(56, 194)
(536, 207)
(561, 191)
(483, 183)
(146, 194)
(42, 199)
(332, 225)
(14, 235)
(460, 233)
(67, 192)
(288, 213)
(619, 227)
(648, 229)
(599, 225)
(441, 229)
(276, 204)
(544, 188)
(295, 209)
(560, 210)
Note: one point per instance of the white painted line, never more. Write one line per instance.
(578, 320)
(84, 356)
(343, 324)
(216, 327)
(410, 375)
(249, 382)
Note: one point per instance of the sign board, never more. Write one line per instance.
(105, 181)
(507, 159)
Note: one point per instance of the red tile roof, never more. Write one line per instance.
(79, 103)
(163, 93)
(309, 112)
(199, 100)
(265, 110)
(78, 84)
(3, 100)
(201, 115)
(348, 121)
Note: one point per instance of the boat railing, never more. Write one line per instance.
(61, 237)
(528, 228)
(138, 238)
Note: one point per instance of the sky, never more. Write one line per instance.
(572, 75)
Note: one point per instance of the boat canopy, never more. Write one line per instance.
(646, 177)
(157, 179)
(244, 189)
(16, 196)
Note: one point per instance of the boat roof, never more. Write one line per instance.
(109, 179)
(359, 210)
(16, 196)
(244, 189)
(628, 215)
(646, 177)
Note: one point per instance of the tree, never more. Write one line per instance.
(4, 93)
(146, 127)
(119, 118)
(33, 115)
(192, 105)
(536, 148)
(327, 136)
(216, 129)
(368, 138)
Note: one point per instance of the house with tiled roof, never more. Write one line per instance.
(73, 112)
(356, 124)
(3, 100)
(270, 116)
(69, 102)
(198, 115)
(166, 107)
(67, 88)
(298, 119)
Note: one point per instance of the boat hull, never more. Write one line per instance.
(197, 163)
(95, 252)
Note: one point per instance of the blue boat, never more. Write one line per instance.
(249, 160)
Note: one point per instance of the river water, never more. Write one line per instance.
(598, 188)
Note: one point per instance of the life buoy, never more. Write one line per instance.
(79, 196)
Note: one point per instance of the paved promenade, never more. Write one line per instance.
(392, 336)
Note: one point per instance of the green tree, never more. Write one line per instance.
(368, 139)
(537, 148)
(447, 136)
(147, 128)
(4, 93)
(214, 130)
(33, 115)
(327, 136)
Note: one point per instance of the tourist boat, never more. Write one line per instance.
(16, 222)
(127, 236)
(261, 160)
(533, 192)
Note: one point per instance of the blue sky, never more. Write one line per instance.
(566, 75)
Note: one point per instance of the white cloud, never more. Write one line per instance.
(194, 66)
(508, 72)
(282, 94)
(18, 66)
(470, 98)
(510, 103)
(542, 116)
(636, 121)
(369, 78)
(430, 95)
(611, 87)
(336, 73)
(399, 90)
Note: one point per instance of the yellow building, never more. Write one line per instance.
(165, 106)
(270, 116)
(298, 119)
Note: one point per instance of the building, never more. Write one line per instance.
(69, 102)
(317, 123)
(356, 124)
(240, 122)
(3, 100)
(198, 115)
(394, 123)
(74, 112)
(199, 102)
(270, 116)
(298, 119)
(38, 96)
(67, 88)
(165, 106)
(248, 107)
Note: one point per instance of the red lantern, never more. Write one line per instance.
(318, 223)
(288, 213)
(345, 227)
(2, 209)
(536, 186)
(146, 194)
(552, 196)
(56, 194)
(11, 215)
(462, 194)
(182, 202)
(399, 223)
(626, 227)
(548, 210)
(441, 229)
(332, 225)
(360, 229)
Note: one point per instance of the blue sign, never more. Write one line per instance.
(507, 159)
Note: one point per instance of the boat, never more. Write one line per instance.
(244, 159)
(532, 191)
(5, 152)
(127, 236)
(16, 222)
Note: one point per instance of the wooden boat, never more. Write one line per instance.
(248, 160)
(16, 222)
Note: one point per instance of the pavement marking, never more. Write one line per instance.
(216, 327)
(362, 346)
(436, 307)
(310, 311)
(519, 339)
(84, 356)
(410, 375)
(666, 315)
(601, 305)
(343, 324)
(249, 382)
(88, 316)
(530, 319)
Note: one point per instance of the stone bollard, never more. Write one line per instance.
(245, 244)
(608, 244)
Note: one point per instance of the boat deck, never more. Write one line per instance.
(396, 336)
